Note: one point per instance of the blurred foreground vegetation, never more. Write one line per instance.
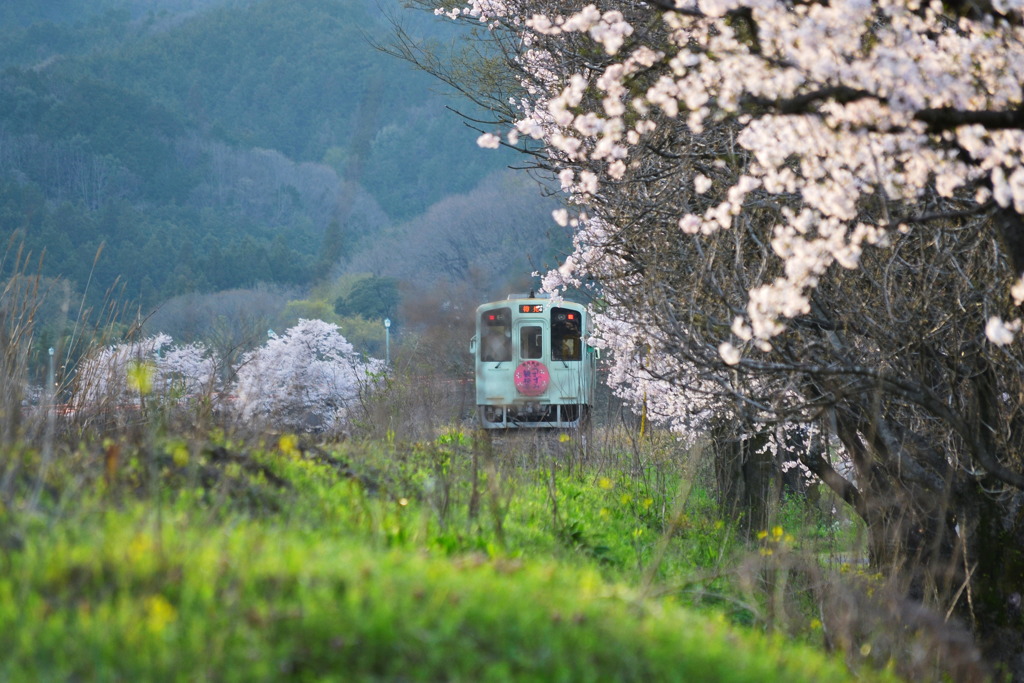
(169, 556)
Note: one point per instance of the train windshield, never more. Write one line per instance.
(496, 335)
(566, 334)
(531, 342)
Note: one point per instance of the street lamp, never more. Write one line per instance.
(387, 341)
(50, 378)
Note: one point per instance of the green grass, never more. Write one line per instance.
(379, 562)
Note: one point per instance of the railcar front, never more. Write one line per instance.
(533, 366)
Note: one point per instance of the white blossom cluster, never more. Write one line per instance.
(306, 377)
(790, 441)
(897, 62)
(688, 404)
(118, 374)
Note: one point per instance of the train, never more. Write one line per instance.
(533, 366)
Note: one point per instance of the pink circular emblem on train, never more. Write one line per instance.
(531, 378)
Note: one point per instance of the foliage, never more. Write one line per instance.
(371, 297)
(309, 309)
(229, 322)
(293, 562)
(367, 336)
(632, 516)
(307, 377)
(486, 240)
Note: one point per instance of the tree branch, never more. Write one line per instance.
(947, 118)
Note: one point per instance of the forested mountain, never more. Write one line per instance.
(213, 145)
(32, 31)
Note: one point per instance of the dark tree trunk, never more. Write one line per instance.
(747, 478)
(996, 551)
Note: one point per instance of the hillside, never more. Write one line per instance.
(215, 145)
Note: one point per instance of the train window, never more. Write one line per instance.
(496, 335)
(566, 334)
(531, 342)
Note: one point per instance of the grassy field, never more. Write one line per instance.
(461, 558)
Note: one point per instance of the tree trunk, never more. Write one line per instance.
(996, 552)
(748, 479)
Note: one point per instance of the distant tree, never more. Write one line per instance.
(367, 336)
(308, 309)
(372, 297)
(230, 323)
(306, 378)
(498, 232)
(330, 252)
(121, 374)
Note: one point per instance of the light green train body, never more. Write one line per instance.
(533, 365)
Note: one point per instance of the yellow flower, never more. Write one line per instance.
(626, 499)
(139, 548)
(159, 613)
(289, 445)
(605, 483)
(648, 502)
(777, 533)
(140, 377)
(179, 453)
(563, 438)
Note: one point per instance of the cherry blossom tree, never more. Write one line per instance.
(306, 378)
(120, 374)
(804, 213)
